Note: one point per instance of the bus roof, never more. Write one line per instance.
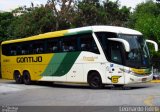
(101, 28)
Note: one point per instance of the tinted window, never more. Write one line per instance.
(38, 47)
(24, 48)
(74, 43)
(69, 44)
(87, 43)
(53, 45)
(113, 50)
(6, 50)
(116, 55)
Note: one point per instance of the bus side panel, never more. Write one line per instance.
(98, 67)
(34, 64)
(93, 62)
(6, 72)
(76, 73)
(60, 65)
(6, 67)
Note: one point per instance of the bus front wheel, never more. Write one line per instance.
(26, 78)
(17, 77)
(94, 81)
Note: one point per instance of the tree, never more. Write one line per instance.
(5, 20)
(95, 12)
(63, 12)
(116, 16)
(89, 12)
(146, 18)
(34, 20)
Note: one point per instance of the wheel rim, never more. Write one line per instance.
(26, 78)
(95, 82)
(17, 78)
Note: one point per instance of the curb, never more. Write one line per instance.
(155, 81)
(5, 80)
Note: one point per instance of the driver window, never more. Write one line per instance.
(116, 55)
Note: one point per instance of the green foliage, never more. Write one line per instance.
(145, 25)
(89, 13)
(38, 20)
(146, 19)
(28, 21)
(5, 20)
(96, 13)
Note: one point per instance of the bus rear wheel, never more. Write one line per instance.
(26, 78)
(94, 81)
(17, 77)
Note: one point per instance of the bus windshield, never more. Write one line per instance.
(139, 55)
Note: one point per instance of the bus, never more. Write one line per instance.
(93, 55)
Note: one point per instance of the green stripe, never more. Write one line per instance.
(54, 64)
(78, 32)
(67, 63)
(61, 63)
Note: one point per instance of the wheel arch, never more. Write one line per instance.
(25, 71)
(103, 79)
(90, 73)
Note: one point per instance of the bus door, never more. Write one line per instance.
(116, 59)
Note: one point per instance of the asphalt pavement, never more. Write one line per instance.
(48, 94)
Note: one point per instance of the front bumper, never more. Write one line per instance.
(132, 79)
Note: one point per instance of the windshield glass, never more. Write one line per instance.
(139, 55)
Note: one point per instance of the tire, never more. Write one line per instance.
(95, 81)
(26, 78)
(18, 77)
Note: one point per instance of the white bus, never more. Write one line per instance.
(96, 55)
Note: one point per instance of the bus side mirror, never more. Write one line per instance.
(154, 43)
(124, 42)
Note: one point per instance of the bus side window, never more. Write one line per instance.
(38, 46)
(69, 44)
(71, 48)
(6, 50)
(64, 47)
(83, 47)
(54, 49)
(25, 46)
(13, 50)
(52, 45)
(23, 52)
(39, 50)
(30, 48)
(116, 55)
(87, 43)
(19, 49)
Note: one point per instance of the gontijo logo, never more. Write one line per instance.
(114, 79)
(29, 59)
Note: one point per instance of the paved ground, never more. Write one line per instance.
(147, 94)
